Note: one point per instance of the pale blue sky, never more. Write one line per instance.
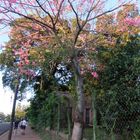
(4, 35)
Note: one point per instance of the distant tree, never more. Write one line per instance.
(2, 116)
(20, 111)
(8, 118)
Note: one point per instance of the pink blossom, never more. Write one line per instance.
(27, 62)
(12, 1)
(133, 21)
(33, 63)
(94, 74)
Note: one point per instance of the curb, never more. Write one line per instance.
(4, 133)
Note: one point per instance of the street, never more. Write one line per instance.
(4, 126)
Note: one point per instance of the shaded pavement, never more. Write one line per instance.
(29, 135)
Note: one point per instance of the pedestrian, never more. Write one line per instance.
(16, 123)
(23, 125)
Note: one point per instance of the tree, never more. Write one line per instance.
(8, 118)
(85, 11)
(108, 26)
(2, 116)
(20, 111)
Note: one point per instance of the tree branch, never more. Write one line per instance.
(108, 11)
(58, 13)
(46, 12)
(77, 18)
(30, 18)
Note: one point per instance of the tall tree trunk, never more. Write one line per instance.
(13, 110)
(77, 133)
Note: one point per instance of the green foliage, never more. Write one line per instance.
(43, 103)
(43, 111)
(8, 118)
(2, 116)
(136, 127)
(118, 96)
(48, 113)
(20, 111)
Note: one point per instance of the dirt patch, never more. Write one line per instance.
(52, 135)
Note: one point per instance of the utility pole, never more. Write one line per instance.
(13, 109)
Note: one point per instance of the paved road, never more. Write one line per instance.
(4, 127)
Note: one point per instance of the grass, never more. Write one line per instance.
(88, 133)
(45, 135)
(102, 135)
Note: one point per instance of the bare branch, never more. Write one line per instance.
(50, 7)
(108, 11)
(26, 4)
(92, 8)
(58, 13)
(76, 14)
(46, 12)
(30, 18)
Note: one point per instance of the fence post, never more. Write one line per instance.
(94, 115)
(58, 119)
(69, 124)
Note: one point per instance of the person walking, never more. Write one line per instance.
(23, 125)
(16, 123)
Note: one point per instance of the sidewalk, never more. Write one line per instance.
(29, 135)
